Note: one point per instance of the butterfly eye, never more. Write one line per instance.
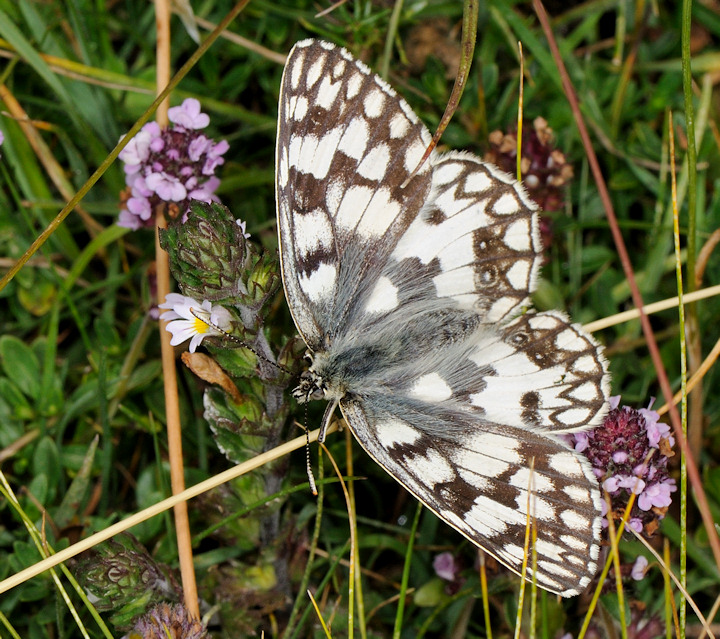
(308, 357)
(311, 387)
(318, 392)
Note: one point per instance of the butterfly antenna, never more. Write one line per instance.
(311, 477)
(242, 343)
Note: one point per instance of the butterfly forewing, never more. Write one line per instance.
(346, 144)
(413, 299)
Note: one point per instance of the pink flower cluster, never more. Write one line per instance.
(629, 455)
(174, 165)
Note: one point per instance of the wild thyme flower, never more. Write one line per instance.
(639, 568)
(188, 319)
(629, 455)
(168, 622)
(445, 566)
(175, 165)
(545, 170)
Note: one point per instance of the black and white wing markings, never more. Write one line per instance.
(538, 372)
(477, 478)
(411, 302)
(544, 373)
(481, 229)
(346, 142)
(474, 246)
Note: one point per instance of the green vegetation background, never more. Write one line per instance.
(79, 357)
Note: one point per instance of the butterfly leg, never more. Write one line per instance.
(326, 419)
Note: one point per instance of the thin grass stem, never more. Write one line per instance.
(397, 630)
(485, 594)
(356, 557)
(156, 509)
(353, 544)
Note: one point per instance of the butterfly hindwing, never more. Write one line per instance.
(544, 373)
(479, 480)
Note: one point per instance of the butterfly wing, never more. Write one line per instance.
(474, 248)
(467, 429)
(477, 477)
(412, 300)
(346, 143)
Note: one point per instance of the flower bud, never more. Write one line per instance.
(207, 253)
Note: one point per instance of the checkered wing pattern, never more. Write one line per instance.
(412, 299)
(346, 144)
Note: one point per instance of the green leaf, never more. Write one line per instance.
(39, 299)
(20, 365)
(46, 462)
(39, 489)
(15, 400)
(74, 497)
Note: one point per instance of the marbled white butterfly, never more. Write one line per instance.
(412, 302)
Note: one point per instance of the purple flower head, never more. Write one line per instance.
(169, 620)
(581, 442)
(636, 524)
(167, 187)
(140, 207)
(445, 566)
(198, 146)
(448, 568)
(639, 568)
(629, 456)
(129, 221)
(188, 115)
(616, 482)
(172, 165)
(214, 157)
(657, 495)
(2, 137)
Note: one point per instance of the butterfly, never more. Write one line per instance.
(413, 302)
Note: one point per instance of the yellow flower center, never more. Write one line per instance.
(200, 327)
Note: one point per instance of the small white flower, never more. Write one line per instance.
(189, 319)
(241, 224)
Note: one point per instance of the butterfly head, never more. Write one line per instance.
(311, 387)
(315, 383)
